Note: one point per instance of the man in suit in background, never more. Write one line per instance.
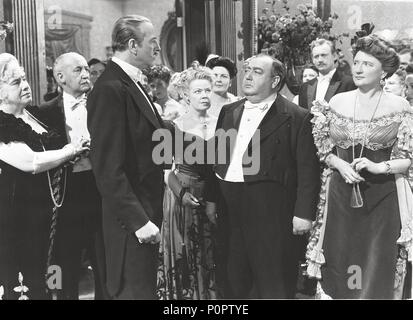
(79, 221)
(329, 81)
(122, 120)
(406, 58)
(270, 209)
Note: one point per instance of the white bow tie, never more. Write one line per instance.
(258, 106)
(326, 77)
(79, 101)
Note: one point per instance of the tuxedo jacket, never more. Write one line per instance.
(339, 83)
(287, 155)
(72, 216)
(121, 122)
(52, 114)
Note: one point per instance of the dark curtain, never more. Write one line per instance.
(59, 41)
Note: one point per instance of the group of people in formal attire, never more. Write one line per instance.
(332, 185)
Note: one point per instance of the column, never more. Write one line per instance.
(228, 33)
(29, 42)
(323, 9)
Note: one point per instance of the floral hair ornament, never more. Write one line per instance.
(365, 30)
(5, 29)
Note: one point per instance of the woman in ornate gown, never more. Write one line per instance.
(187, 264)
(25, 199)
(365, 138)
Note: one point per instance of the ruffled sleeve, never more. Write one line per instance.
(321, 129)
(403, 148)
(321, 132)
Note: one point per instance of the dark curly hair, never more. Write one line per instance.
(310, 66)
(381, 50)
(159, 72)
(224, 62)
(409, 68)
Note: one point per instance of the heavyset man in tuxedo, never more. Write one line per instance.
(270, 210)
(121, 120)
(329, 81)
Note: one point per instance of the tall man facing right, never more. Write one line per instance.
(329, 81)
(121, 121)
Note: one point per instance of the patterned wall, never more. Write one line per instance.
(104, 13)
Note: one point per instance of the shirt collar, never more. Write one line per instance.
(263, 105)
(71, 102)
(328, 76)
(133, 72)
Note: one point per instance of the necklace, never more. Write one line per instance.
(356, 198)
(204, 123)
(57, 179)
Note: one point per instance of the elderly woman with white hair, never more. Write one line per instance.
(28, 189)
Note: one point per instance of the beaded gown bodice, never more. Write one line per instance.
(381, 134)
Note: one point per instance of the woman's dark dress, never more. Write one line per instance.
(187, 266)
(360, 244)
(25, 215)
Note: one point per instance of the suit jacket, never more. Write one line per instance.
(121, 123)
(52, 114)
(339, 83)
(287, 154)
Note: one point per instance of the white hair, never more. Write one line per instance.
(6, 72)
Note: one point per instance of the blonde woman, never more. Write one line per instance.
(187, 269)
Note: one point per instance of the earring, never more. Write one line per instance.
(383, 79)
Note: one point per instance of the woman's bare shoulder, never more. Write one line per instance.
(395, 104)
(341, 101)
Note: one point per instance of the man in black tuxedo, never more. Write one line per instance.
(122, 120)
(79, 220)
(270, 200)
(330, 81)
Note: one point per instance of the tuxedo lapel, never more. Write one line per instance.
(53, 114)
(229, 127)
(61, 117)
(143, 105)
(237, 115)
(276, 117)
(311, 93)
(232, 118)
(155, 110)
(333, 87)
(138, 97)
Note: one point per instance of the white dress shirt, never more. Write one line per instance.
(251, 119)
(323, 81)
(76, 126)
(136, 75)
